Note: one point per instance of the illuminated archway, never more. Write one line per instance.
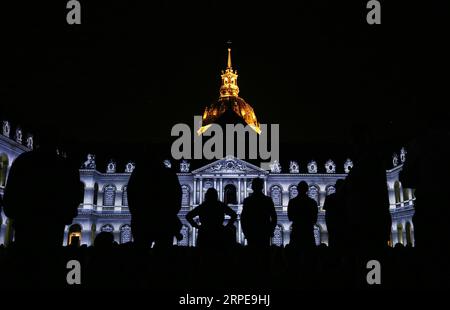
(74, 235)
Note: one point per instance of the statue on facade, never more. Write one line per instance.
(111, 168)
(348, 165)
(184, 166)
(129, 167)
(275, 167)
(19, 135)
(312, 167)
(30, 142)
(330, 166)
(395, 160)
(6, 129)
(90, 162)
(403, 155)
(294, 167)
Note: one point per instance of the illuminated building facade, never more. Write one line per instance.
(105, 204)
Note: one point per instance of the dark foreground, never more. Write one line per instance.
(125, 267)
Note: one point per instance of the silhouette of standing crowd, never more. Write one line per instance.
(357, 217)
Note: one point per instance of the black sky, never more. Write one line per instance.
(134, 69)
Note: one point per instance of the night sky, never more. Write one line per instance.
(134, 69)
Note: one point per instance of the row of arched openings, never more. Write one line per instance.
(230, 194)
(398, 190)
(278, 236)
(408, 239)
(74, 233)
(276, 193)
(277, 239)
(109, 195)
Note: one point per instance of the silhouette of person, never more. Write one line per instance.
(302, 211)
(104, 240)
(258, 217)
(366, 194)
(211, 213)
(41, 196)
(154, 199)
(334, 207)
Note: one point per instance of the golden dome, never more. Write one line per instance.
(229, 101)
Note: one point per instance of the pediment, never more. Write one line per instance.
(230, 165)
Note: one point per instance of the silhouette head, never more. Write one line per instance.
(257, 185)
(302, 188)
(28, 198)
(104, 240)
(211, 195)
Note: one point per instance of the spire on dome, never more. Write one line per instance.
(229, 80)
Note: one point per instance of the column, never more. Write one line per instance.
(221, 190)
(265, 186)
(402, 202)
(322, 197)
(194, 236)
(239, 191)
(405, 240)
(245, 188)
(239, 231)
(391, 194)
(200, 198)
(215, 184)
(195, 192)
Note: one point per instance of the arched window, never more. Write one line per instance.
(94, 201)
(405, 194)
(185, 233)
(331, 190)
(109, 195)
(74, 235)
(83, 191)
(186, 193)
(408, 233)
(125, 196)
(278, 236)
(293, 192)
(317, 236)
(313, 193)
(107, 228)
(276, 194)
(230, 194)
(3, 168)
(125, 233)
(397, 191)
(400, 233)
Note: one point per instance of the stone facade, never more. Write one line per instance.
(105, 204)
